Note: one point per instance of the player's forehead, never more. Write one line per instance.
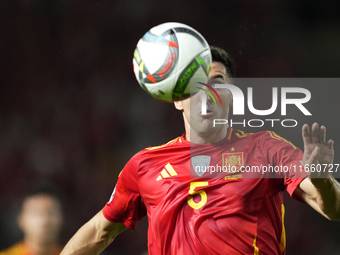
(39, 201)
(218, 70)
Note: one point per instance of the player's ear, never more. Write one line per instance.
(178, 105)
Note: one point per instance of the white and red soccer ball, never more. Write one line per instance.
(167, 57)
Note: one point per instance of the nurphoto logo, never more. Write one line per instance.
(239, 99)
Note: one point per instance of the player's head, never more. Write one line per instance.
(40, 216)
(222, 70)
(221, 56)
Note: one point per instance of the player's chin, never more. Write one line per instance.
(207, 125)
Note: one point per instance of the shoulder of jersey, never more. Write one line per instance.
(266, 135)
(168, 144)
(275, 136)
(142, 153)
(234, 133)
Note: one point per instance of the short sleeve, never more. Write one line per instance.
(288, 158)
(126, 204)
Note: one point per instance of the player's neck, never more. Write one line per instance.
(206, 138)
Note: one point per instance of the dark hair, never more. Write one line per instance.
(43, 189)
(220, 55)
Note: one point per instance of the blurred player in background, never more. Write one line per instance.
(190, 213)
(40, 219)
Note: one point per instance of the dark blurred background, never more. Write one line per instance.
(72, 113)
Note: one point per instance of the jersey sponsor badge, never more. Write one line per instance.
(200, 164)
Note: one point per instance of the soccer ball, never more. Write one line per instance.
(168, 57)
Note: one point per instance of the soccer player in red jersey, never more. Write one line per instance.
(192, 210)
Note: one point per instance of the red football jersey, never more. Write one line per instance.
(193, 211)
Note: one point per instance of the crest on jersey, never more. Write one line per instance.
(200, 164)
(232, 162)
